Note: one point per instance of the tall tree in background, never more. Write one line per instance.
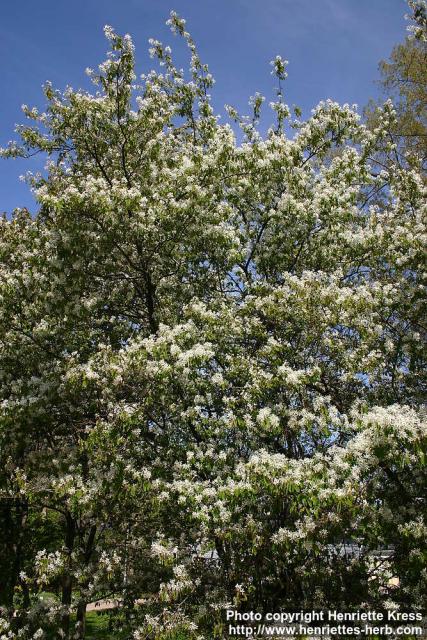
(404, 80)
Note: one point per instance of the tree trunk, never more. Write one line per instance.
(81, 619)
(13, 519)
(67, 583)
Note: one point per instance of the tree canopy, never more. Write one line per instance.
(211, 360)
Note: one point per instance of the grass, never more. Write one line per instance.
(97, 627)
(97, 624)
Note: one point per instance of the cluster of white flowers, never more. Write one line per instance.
(210, 355)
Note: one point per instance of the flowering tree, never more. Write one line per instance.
(211, 360)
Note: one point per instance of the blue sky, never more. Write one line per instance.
(333, 48)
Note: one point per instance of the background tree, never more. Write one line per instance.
(404, 80)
